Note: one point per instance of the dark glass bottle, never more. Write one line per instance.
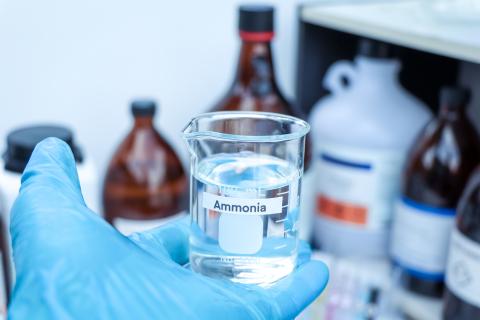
(145, 182)
(462, 295)
(5, 266)
(439, 164)
(255, 89)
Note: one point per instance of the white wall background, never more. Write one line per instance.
(79, 63)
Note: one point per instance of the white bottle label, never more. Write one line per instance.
(357, 186)
(240, 228)
(129, 226)
(420, 238)
(463, 276)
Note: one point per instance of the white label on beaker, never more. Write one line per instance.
(242, 206)
(240, 234)
(240, 227)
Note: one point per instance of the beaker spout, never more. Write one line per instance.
(188, 136)
(191, 135)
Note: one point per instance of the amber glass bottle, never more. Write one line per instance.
(145, 184)
(436, 173)
(255, 89)
(462, 296)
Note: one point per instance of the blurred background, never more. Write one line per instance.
(388, 87)
(82, 63)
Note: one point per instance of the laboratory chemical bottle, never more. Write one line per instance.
(462, 294)
(20, 144)
(361, 133)
(145, 185)
(254, 88)
(6, 279)
(436, 172)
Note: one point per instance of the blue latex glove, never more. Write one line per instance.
(71, 264)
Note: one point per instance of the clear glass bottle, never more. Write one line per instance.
(254, 88)
(440, 162)
(145, 185)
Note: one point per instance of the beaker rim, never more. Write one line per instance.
(303, 126)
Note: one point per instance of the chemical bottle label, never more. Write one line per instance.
(129, 226)
(357, 186)
(420, 238)
(463, 276)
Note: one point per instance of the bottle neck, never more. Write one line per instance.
(143, 122)
(255, 67)
(451, 113)
(378, 71)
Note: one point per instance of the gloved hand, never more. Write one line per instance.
(71, 264)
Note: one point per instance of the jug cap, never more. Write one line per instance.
(374, 49)
(22, 141)
(286, 127)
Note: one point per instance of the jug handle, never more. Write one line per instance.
(333, 80)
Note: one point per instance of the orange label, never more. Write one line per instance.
(342, 211)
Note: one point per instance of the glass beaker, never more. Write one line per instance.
(246, 170)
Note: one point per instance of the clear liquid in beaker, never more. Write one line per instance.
(244, 211)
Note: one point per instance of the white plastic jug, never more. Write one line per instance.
(20, 144)
(361, 134)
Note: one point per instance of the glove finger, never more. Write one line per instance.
(169, 240)
(52, 165)
(49, 192)
(302, 287)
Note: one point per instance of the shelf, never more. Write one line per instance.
(414, 24)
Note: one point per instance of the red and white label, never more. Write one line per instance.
(341, 210)
(357, 186)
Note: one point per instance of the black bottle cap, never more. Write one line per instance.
(21, 142)
(256, 18)
(143, 107)
(454, 97)
(374, 49)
